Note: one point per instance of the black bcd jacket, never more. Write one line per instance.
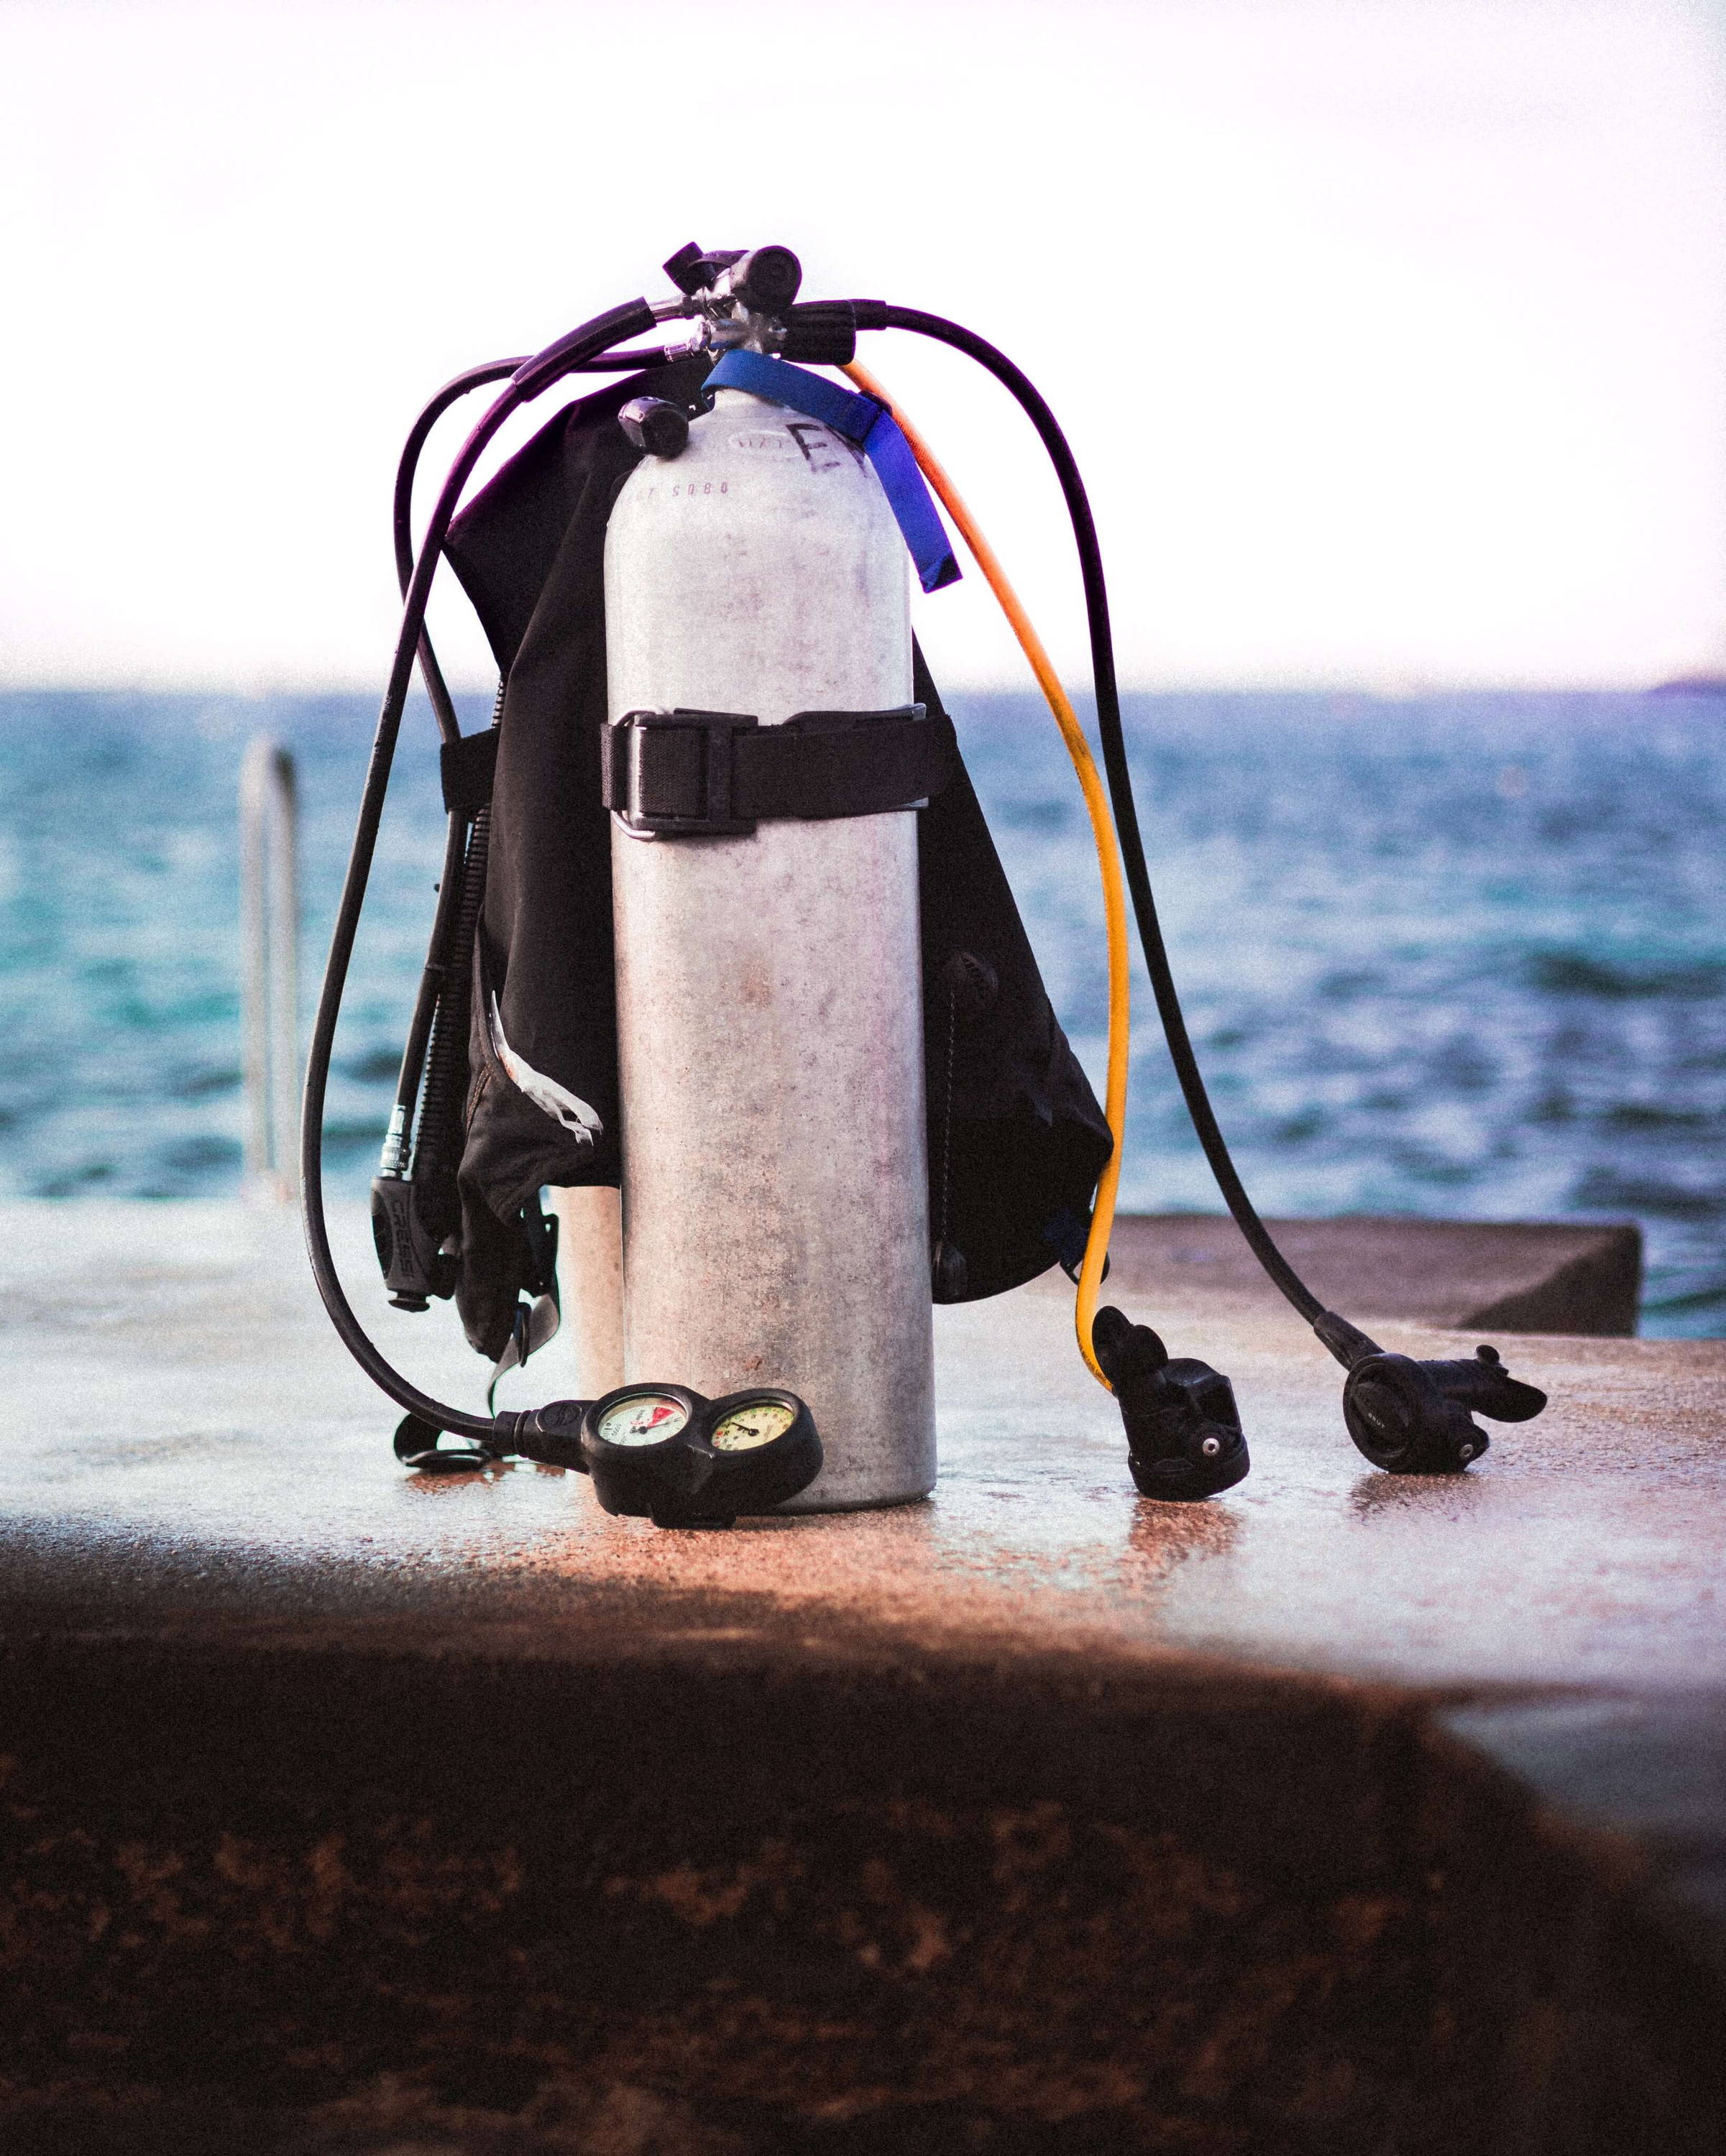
(1016, 1140)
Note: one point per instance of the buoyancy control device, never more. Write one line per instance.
(725, 960)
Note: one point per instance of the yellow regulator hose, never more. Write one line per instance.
(1109, 861)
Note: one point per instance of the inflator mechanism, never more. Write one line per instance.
(1184, 1433)
(414, 1265)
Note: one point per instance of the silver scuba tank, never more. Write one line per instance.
(774, 1216)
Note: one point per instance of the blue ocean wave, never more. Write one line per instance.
(1454, 956)
(1576, 973)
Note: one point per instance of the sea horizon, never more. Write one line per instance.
(1455, 954)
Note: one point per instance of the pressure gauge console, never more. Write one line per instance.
(665, 1453)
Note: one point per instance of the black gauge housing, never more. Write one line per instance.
(684, 1480)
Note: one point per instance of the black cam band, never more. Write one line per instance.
(712, 774)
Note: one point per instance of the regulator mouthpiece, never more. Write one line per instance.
(1413, 1418)
(1183, 1434)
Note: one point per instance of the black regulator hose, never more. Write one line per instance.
(458, 387)
(437, 1141)
(1344, 1342)
(527, 381)
(449, 883)
(431, 985)
(459, 868)
(475, 377)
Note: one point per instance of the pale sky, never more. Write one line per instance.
(1391, 337)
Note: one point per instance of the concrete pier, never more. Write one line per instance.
(348, 1809)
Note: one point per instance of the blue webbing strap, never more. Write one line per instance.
(875, 431)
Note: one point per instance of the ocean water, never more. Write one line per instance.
(1461, 957)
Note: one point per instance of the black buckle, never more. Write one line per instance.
(667, 773)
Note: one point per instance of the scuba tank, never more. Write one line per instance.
(721, 926)
(770, 1027)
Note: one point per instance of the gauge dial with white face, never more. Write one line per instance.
(642, 1419)
(744, 1428)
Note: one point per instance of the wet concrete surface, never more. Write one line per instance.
(180, 1414)
(1488, 1709)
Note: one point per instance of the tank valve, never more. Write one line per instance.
(1183, 1434)
(765, 280)
(653, 424)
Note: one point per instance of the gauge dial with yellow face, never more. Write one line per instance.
(642, 1419)
(758, 1423)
